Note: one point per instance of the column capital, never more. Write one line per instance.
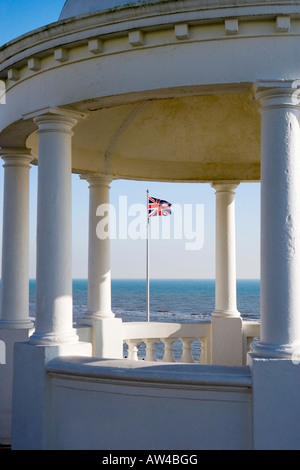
(55, 119)
(97, 179)
(278, 94)
(225, 186)
(16, 157)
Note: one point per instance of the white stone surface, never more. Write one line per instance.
(276, 412)
(54, 312)
(225, 295)
(99, 270)
(149, 406)
(9, 337)
(280, 223)
(108, 338)
(31, 428)
(227, 340)
(15, 244)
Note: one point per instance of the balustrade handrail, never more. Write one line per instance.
(144, 330)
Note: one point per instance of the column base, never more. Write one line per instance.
(39, 339)
(108, 338)
(276, 412)
(90, 317)
(226, 313)
(8, 339)
(227, 340)
(276, 351)
(16, 325)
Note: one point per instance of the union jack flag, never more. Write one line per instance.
(158, 207)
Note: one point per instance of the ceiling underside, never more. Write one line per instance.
(176, 139)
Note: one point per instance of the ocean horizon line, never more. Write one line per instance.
(161, 279)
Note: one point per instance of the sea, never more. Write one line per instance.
(171, 300)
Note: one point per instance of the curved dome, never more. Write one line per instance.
(78, 7)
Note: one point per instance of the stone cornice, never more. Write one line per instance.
(121, 20)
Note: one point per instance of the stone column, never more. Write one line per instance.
(225, 295)
(275, 378)
(15, 245)
(107, 330)
(227, 328)
(15, 324)
(54, 306)
(280, 220)
(54, 335)
(99, 271)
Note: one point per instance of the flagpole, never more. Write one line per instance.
(147, 261)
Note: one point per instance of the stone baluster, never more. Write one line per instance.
(203, 355)
(150, 349)
(187, 355)
(133, 349)
(169, 353)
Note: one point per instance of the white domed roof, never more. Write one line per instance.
(79, 7)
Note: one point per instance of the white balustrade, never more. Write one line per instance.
(174, 342)
(164, 341)
(150, 334)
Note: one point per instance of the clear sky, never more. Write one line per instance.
(169, 258)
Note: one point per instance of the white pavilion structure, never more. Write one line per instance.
(165, 90)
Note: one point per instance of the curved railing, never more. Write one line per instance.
(177, 342)
(174, 342)
(168, 342)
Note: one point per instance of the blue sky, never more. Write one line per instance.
(168, 258)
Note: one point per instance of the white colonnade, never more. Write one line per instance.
(280, 220)
(280, 173)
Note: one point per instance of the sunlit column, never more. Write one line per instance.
(225, 294)
(99, 270)
(54, 311)
(15, 244)
(280, 220)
